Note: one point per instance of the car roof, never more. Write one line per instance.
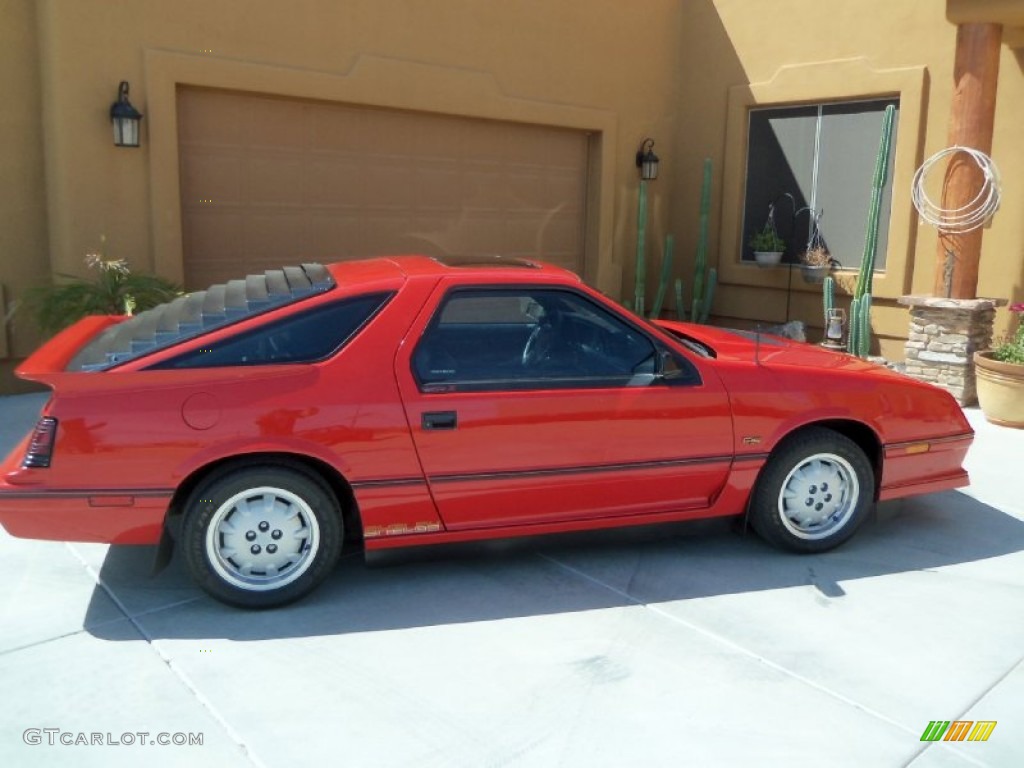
(200, 312)
(414, 265)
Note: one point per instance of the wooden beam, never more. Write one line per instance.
(972, 114)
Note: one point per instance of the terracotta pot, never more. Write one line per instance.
(767, 258)
(1000, 390)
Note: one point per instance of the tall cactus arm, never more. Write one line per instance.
(666, 274)
(640, 286)
(710, 298)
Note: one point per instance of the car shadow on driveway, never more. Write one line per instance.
(556, 576)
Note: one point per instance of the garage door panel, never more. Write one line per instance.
(277, 179)
(275, 124)
(214, 175)
(338, 130)
(274, 180)
(562, 189)
(384, 234)
(485, 190)
(440, 137)
(522, 234)
(438, 186)
(548, 192)
(208, 118)
(336, 181)
(215, 235)
(335, 238)
(564, 150)
(560, 241)
(389, 187)
(435, 236)
(276, 234)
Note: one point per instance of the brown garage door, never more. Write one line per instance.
(269, 181)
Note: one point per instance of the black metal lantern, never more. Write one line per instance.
(125, 119)
(647, 161)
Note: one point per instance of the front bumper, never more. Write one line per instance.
(925, 466)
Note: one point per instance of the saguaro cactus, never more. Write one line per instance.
(704, 280)
(701, 263)
(666, 275)
(828, 297)
(680, 306)
(860, 309)
(640, 284)
(709, 297)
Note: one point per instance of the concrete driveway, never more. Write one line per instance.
(676, 650)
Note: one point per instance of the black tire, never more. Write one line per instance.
(817, 488)
(262, 536)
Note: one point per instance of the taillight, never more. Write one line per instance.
(40, 447)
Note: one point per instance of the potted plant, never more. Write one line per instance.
(1000, 377)
(114, 291)
(767, 245)
(815, 261)
(815, 264)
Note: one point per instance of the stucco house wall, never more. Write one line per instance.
(680, 71)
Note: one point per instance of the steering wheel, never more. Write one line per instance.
(538, 346)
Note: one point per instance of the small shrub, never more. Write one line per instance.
(115, 290)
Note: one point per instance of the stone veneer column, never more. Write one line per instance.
(944, 335)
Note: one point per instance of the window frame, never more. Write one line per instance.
(686, 375)
(797, 233)
(837, 80)
(174, 362)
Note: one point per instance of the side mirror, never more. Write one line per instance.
(668, 367)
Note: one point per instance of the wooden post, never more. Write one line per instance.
(972, 115)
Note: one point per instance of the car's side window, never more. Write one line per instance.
(303, 337)
(529, 338)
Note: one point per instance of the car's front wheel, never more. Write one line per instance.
(262, 536)
(813, 494)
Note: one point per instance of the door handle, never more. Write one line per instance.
(440, 420)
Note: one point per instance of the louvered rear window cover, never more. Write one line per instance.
(200, 312)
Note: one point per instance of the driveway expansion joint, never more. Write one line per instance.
(175, 670)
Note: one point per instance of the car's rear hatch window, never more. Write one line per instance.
(200, 312)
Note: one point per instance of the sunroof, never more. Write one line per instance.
(487, 261)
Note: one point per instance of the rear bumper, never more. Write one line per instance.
(109, 517)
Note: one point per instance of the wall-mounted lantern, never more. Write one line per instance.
(647, 161)
(125, 119)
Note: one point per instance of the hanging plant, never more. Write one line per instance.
(766, 244)
(816, 261)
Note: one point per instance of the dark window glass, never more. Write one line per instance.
(301, 338)
(821, 158)
(484, 340)
(199, 312)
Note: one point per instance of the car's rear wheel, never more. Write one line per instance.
(816, 490)
(262, 536)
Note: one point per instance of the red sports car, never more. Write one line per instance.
(403, 402)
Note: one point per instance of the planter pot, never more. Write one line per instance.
(1000, 390)
(814, 274)
(767, 258)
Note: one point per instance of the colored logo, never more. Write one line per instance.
(958, 730)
